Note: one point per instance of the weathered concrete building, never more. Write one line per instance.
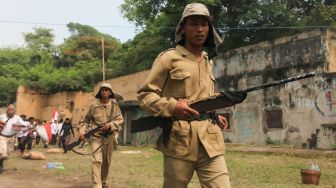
(300, 113)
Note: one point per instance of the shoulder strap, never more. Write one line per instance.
(112, 108)
(9, 119)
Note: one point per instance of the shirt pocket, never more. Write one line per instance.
(179, 83)
(216, 137)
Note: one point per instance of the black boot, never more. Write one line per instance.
(1, 165)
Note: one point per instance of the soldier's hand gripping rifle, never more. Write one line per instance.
(223, 100)
(87, 136)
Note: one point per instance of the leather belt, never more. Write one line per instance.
(7, 136)
(205, 116)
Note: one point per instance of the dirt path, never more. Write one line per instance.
(11, 178)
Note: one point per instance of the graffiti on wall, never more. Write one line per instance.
(146, 137)
(325, 103)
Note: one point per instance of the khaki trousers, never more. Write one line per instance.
(101, 160)
(4, 149)
(211, 172)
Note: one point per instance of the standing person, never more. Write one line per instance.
(59, 135)
(103, 112)
(53, 127)
(65, 133)
(22, 135)
(25, 135)
(9, 123)
(30, 135)
(37, 136)
(178, 77)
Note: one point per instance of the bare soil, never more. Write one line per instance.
(13, 178)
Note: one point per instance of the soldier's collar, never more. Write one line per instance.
(184, 52)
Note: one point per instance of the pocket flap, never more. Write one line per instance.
(213, 129)
(180, 75)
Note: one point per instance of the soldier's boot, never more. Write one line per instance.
(105, 185)
(1, 165)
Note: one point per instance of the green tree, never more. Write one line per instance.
(12, 63)
(41, 39)
(85, 44)
(240, 22)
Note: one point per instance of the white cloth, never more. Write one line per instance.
(53, 127)
(24, 130)
(59, 128)
(8, 129)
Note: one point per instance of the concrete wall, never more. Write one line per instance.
(305, 108)
(127, 86)
(39, 105)
(73, 104)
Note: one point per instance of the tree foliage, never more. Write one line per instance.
(76, 63)
(240, 22)
(40, 40)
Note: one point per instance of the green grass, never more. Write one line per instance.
(144, 169)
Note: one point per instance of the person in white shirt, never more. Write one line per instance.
(53, 127)
(25, 136)
(10, 124)
(22, 134)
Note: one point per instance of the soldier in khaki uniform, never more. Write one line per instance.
(102, 112)
(180, 76)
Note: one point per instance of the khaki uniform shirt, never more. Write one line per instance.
(97, 114)
(176, 74)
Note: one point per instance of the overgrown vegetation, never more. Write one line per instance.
(271, 141)
(76, 63)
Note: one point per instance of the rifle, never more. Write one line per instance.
(223, 100)
(88, 135)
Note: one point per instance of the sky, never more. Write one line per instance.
(55, 14)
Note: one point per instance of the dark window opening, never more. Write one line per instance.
(274, 119)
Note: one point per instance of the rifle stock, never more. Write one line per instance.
(223, 100)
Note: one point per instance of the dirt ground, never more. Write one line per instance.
(14, 178)
(11, 178)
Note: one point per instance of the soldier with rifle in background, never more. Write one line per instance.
(178, 77)
(104, 114)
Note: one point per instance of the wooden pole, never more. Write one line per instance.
(103, 59)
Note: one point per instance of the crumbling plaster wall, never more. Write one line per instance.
(73, 104)
(40, 105)
(298, 101)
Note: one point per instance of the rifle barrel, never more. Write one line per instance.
(279, 82)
